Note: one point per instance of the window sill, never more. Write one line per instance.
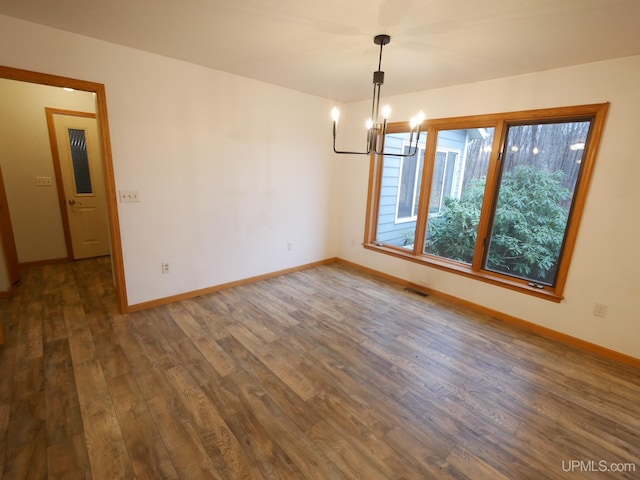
(503, 281)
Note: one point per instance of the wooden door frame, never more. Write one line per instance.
(107, 161)
(7, 238)
(55, 154)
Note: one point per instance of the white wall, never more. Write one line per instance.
(229, 170)
(605, 267)
(25, 153)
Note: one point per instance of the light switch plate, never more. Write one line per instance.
(129, 196)
(44, 181)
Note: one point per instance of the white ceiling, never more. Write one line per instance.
(325, 47)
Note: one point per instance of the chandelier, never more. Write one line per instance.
(376, 130)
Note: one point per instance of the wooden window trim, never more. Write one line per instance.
(595, 112)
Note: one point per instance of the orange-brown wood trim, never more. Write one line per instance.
(7, 238)
(588, 161)
(510, 319)
(373, 199)
(488, 202)
(105, 141)
(430, 150)
(216, 288)
(457, 268)
(112, 196)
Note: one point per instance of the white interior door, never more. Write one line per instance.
(83, 181)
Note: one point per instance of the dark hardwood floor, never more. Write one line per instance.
(321, 374)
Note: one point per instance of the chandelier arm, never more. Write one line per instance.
(350, 153)
(346, 151)
(413, 148)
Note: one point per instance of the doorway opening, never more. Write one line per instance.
(102, 139)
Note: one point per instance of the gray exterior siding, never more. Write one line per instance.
(391, 231)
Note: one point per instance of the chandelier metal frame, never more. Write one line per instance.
(376, 129)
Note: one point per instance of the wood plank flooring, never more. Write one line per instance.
(321, 374)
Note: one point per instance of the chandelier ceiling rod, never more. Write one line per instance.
(376, 130)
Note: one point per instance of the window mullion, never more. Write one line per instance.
(414, 197)
(493, 174)
(373, 198)
(425, 190)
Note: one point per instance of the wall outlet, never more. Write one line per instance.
(289, 247)
(129, 196)
(600, 309)
(165, 268)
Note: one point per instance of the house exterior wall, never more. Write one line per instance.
(390, 230)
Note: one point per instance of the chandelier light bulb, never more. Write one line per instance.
(335, 114)
(369, 124)
(386, 111)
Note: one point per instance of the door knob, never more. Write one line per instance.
(72, 202)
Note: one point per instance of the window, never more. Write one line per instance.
(410, 182)
(451, 188)
(443, 174)
(505, 196)
(401, 183)
(80, 161)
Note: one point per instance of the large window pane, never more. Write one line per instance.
(80, 161)
(457, 189)
(540, 170)
(400, 191)
(409, 185)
